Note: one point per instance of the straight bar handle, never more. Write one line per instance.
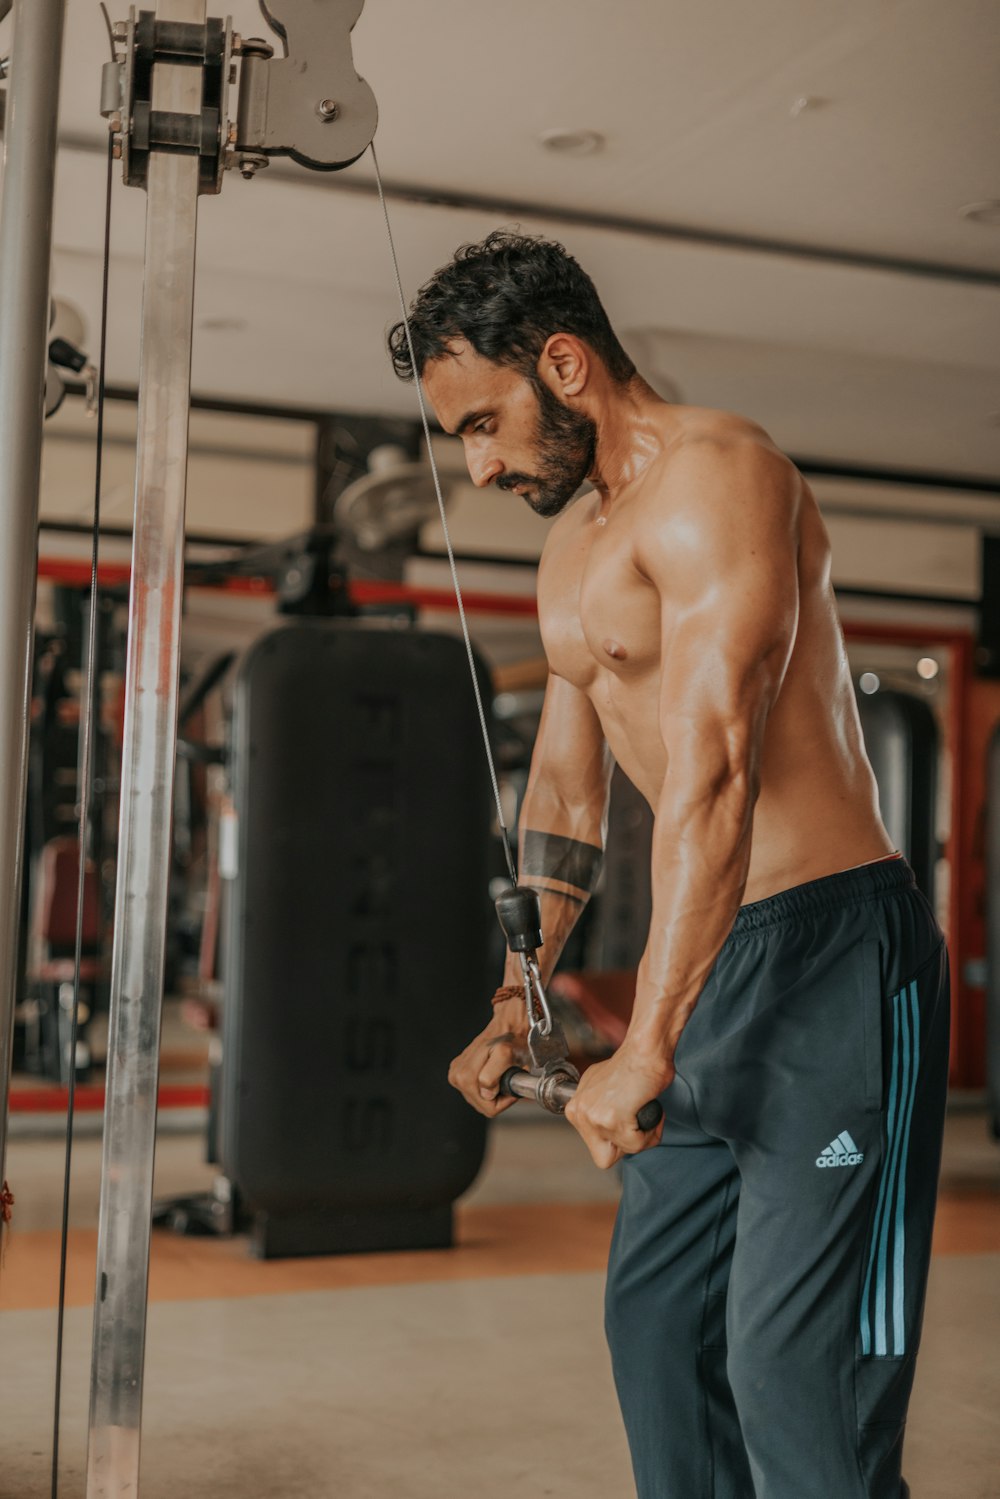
(554, 1093)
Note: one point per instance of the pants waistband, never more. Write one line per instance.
(831, 893)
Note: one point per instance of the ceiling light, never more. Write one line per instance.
(927, 668)
(987, 212)
(869, 682)
(806, 102)
(573, 142)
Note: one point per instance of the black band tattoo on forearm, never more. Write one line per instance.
(553, 857)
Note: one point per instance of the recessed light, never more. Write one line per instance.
(927, 668)
(869, 682)
(987, 212)
(806, 102)
(573, 142)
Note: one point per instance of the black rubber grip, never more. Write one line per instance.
(519, 913)
(649, 1115)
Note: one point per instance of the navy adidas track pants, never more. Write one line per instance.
(768, 1267)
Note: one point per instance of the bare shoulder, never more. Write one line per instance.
(718, 465)
(718, 446)
(721, 489)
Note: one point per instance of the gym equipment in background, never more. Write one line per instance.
(356, 937)
(993, 930)
(389, 503)
(49, 1047)
(901, 737)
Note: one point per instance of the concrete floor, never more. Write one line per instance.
(443, 1389)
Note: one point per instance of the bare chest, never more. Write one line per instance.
(599, 617)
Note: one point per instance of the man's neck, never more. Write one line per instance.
(630, 436)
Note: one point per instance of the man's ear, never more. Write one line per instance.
(564, 365)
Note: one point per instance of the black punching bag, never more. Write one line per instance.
(358, 923)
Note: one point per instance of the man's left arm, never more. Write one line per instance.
(725, 564)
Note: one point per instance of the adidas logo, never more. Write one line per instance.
(842, 1152)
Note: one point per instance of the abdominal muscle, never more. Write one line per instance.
(817, 807)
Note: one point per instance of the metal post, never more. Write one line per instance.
(25, 252)
(147, 792)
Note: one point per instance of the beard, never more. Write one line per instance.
(567, 444)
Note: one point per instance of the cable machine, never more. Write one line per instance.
(167, 101)
(167, 96)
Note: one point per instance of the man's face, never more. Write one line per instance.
(517, 436)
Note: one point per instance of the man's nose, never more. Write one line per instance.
(483, 471)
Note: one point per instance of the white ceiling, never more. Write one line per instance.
(840, 359)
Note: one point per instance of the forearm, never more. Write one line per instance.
(561, 847)
(700, 858)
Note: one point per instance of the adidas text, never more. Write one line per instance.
(841, 1152)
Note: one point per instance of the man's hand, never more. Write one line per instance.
(477, 1072)
(608, 1099)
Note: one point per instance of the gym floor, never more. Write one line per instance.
(481, 1370)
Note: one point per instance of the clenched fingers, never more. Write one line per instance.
(609, 1141)
(477, 1072)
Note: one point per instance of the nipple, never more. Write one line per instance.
(615, 651)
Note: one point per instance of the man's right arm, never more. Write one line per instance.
(563, 820)
(561, 837)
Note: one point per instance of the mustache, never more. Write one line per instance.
(511, 481)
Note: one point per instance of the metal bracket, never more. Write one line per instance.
(127, 91)
(309, 104)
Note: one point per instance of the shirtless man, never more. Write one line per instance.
(766, 1280)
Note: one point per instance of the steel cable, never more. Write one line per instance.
(480, 707)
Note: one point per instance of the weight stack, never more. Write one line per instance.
(357, 932)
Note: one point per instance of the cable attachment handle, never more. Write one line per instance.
(519, 913)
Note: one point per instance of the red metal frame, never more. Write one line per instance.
(89, 1099)
(73, 574)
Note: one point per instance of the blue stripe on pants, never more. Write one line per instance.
(882, 1271)
(866, 1327)
(898, 1263)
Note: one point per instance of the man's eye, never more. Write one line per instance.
(482, 428)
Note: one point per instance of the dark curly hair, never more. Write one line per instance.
(507, 296)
